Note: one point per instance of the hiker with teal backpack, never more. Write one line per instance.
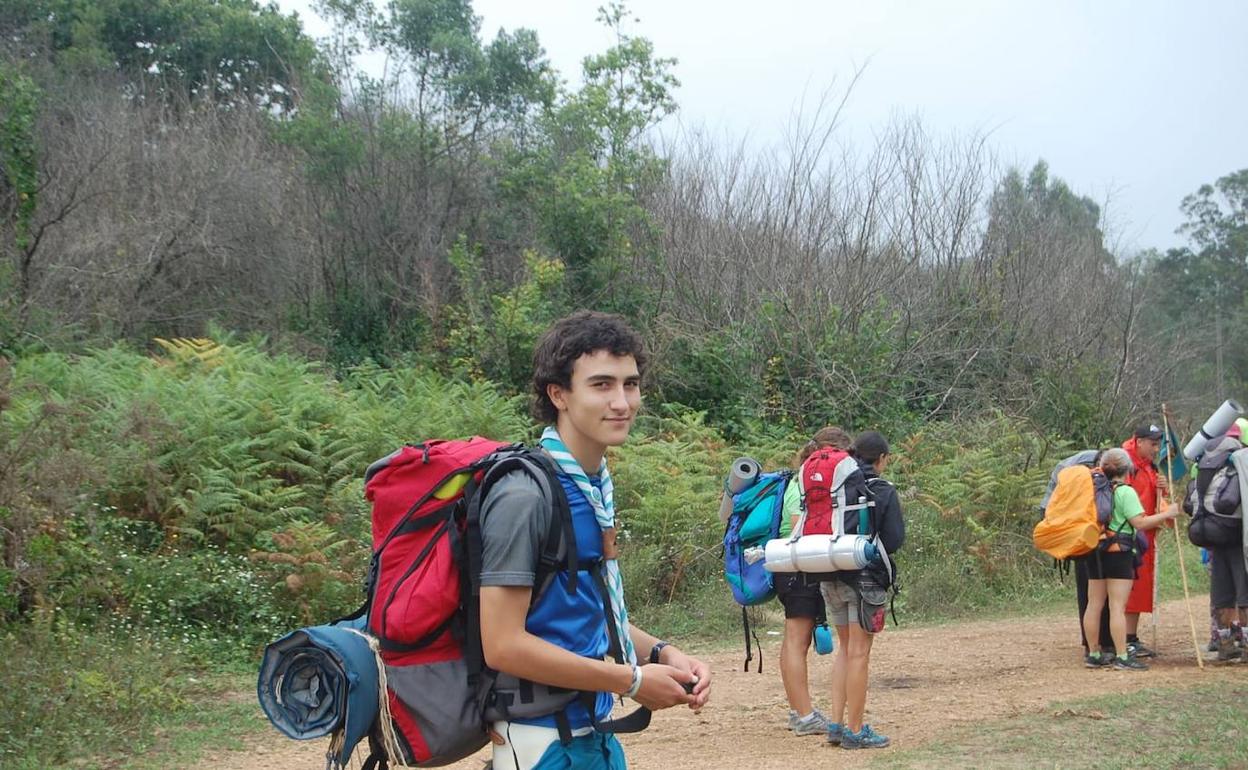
(587, 387)
(802, 600)
(1111, 567)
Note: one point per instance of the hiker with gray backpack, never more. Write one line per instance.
(1214, 501)
(855, 600)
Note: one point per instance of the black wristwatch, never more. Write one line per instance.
(655, 650)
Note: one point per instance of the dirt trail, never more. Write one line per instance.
(924, 681)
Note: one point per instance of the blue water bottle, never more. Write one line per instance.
(823, 639)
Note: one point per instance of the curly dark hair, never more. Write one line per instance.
(583, 332)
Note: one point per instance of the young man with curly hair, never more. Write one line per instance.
(587, 384)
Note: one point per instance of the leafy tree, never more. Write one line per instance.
(227, 50)
(1206, 283)
(19, 167)
(587, 180)
(401, 166)
(1053, 306)
(460, 85)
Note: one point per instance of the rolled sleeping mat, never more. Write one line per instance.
(820, 553)
(1216, 425)
(319, 679)
(742, 475)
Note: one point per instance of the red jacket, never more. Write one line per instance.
(1144, 479)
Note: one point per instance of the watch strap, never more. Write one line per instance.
(655, 650)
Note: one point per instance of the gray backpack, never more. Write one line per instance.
(1214, 500)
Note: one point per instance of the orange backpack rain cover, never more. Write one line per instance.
(1069, 527)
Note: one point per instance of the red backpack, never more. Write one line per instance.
(831, 481)
(422, 582)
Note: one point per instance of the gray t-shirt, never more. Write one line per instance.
(513, 538)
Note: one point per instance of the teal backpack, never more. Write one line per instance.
(755, 519)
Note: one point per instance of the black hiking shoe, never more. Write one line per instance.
(1136, 649)
(1098, 661)
(1129, 663)
(1227, 650)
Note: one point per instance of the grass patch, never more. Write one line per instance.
(217, 725)
(1201, 726)
(88, 698)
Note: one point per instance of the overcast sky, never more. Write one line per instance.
(1135, 104)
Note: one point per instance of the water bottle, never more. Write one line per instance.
(823, 639)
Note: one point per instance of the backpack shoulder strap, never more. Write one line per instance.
(796, 532)
(875, 481)
(786, 478)
(541, 469)
(874, 512)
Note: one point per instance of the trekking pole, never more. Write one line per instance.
(1187, 599)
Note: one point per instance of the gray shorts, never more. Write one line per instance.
(841, 602)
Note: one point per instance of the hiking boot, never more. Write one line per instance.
(1226, 648)
(813, 723)
(1129, 663)
(1098, 661)
(866, 738)
(835, 733)
(1136, 649)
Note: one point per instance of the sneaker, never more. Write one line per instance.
(835, 733)
(866, 738)
(1098, 661)
(793, 717)
(1129, 663)
(813, 723)
(1136, 649)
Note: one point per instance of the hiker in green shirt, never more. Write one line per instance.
(802, 602)
(1111, 567)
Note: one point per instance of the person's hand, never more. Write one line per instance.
(677, 659)
(1163, 485)
(663, 687)
(1168, 514)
